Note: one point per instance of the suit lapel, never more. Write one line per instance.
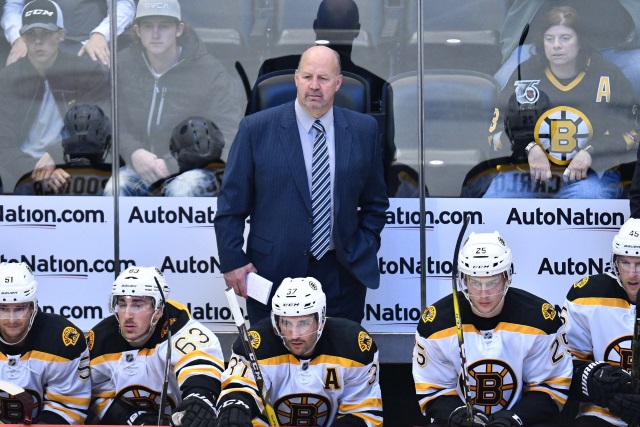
(289, 139)
(343, 147)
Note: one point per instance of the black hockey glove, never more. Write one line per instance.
(600, 380)
(234, 413)
(196, 410)
(505, 418)
(627, 407)
(121, 412)
(458, 418)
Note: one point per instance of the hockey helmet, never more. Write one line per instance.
(625, 243)
(17, 285)
(485, 254)
(299, 297)
(195, 143)
(140, 281)
(88, 134)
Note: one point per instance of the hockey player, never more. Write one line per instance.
(599, 314)
(518, 369)
(43, 353)
(318, 371)
(129, 357)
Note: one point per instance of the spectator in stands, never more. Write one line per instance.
(37, 91)
(88, 27)
(615, 28)
(568, 113)
(336, 26)
(167, 75)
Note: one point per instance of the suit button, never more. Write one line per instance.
(310, 220)
(305, 253)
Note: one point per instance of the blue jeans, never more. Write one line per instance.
(193, 183)
(517, 184)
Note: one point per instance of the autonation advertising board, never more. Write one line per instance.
(69, 243)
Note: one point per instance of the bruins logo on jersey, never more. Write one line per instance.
(493, 384)
(164, 331)
(580, 283)
(303, 410)
(548, 312)
(145, 399)
(619, 351)
(90, 337)
(429, 314)
(364, 341)
(70, 336)
(255, 339)
(562, 132)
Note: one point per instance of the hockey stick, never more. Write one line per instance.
(251, 354)
(456, 310)
(167, 366)
(20, 394)
(635, 353)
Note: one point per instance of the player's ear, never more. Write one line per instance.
(180, 29)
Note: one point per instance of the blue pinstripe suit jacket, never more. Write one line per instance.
(265, 179)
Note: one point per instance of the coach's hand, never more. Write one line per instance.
(459, 418)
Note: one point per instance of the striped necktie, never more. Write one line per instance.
(320, 194)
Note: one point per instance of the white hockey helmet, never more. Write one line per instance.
(485, 254)
(298, 297)
(140, 281)
(625, 243)
(17, 285)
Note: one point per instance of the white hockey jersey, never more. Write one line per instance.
(53, 367)
(514, 353)
(339, 379)
(599, 325)
(137, 374)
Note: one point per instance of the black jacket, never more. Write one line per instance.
(72, 80)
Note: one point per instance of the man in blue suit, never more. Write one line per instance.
(268, 178)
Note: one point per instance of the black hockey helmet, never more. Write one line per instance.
(195, 143)
(88, 134)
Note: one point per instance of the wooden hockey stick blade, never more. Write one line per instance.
(20, 394)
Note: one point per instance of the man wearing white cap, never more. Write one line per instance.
(167, 75)
(37, 91)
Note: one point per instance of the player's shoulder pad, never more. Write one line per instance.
(56, 335)
(596, 286)
(438, 316)
(346, 339)
(524, 308)
(179, 315)
(104, 338)
(265, 342)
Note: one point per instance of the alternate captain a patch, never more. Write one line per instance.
(364, 341)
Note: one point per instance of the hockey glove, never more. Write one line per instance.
(505, 418)
(627, 407)
(196, 410)
(600, 380)
(121, 412)
(234, 413)
(458, 418)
